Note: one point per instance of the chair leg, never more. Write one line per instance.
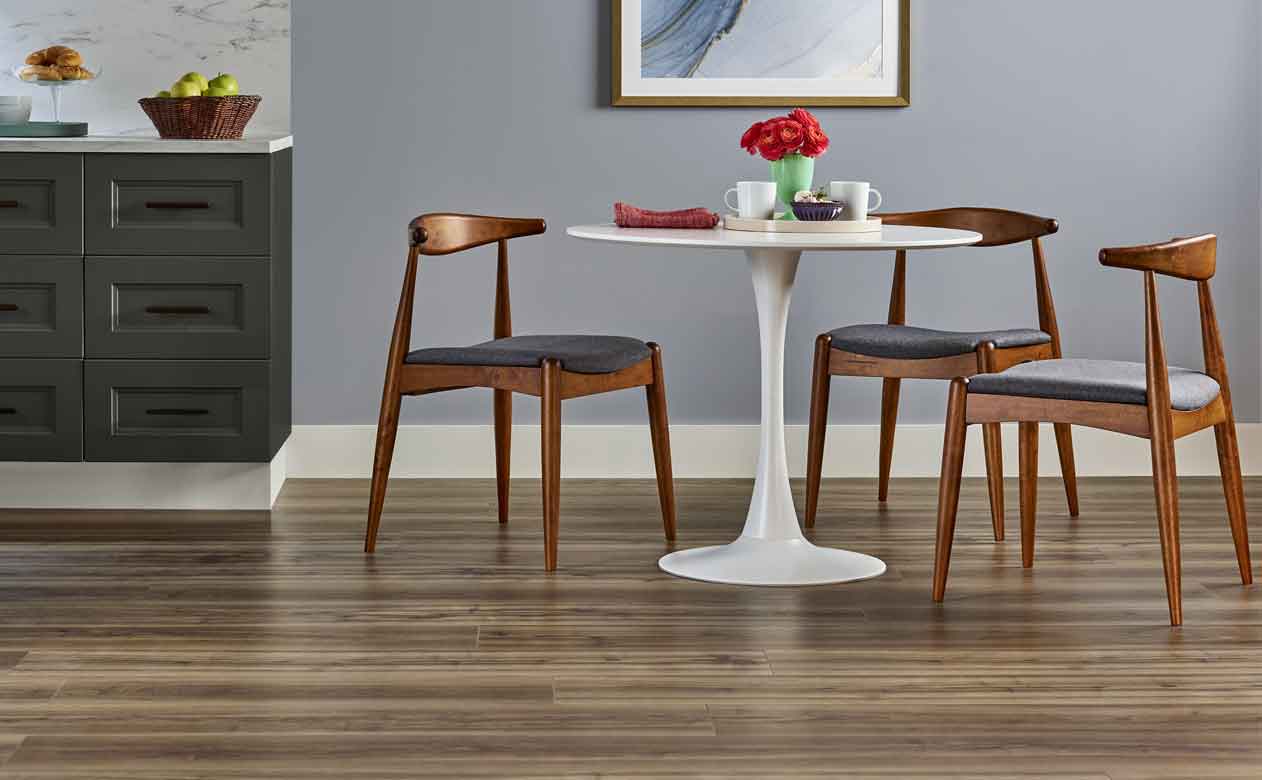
(659, 430)
(1233, 488)
(889, 419)
(1166, 487)
(1028, 456)
(503, 448)
(949, 484)
(992, 440)
(387, 430)
(1068, 472)
(821, 384)
(551, 418)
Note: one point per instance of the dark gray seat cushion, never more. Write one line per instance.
(580, 354)
(1107, 381)
(908, 342)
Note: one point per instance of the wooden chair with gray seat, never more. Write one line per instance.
(550, 367)
(1151, 400)
(895, 351)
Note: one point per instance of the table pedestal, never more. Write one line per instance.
(771, 549)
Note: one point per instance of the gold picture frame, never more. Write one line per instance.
(900, 99)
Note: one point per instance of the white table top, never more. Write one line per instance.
(149, 142)
(889, 237)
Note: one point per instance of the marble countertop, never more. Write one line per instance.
(262, 143)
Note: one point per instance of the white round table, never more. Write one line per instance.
(771, 550)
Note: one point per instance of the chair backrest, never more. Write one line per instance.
(1191, 258)
(998, 227)
(444, 234)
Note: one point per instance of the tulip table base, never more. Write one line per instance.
(772, 550)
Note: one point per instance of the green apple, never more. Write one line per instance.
(163, 93)
(227, 82)
(184, 89)
(197, 79)
(216, 92)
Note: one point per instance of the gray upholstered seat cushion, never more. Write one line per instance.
(580, 354)
(1108, 381)
(908, 342)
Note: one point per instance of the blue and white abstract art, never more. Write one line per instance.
(733, 52)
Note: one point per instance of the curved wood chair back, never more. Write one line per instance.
(999, 227)
(444, 234)
(1192, 258)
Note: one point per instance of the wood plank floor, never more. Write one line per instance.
(233, 645)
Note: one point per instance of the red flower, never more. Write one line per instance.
(803, 117)
(769, 144)
(790, 134)
(816, 143)
(749, 141)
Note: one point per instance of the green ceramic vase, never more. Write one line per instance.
(792, 173)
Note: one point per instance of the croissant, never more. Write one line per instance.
(53, 52)
(36, 57)
(69, 59)
(40, 73)
(73, 72)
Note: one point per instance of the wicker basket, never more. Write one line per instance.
(201, 117)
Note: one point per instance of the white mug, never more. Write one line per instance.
(855, 194)
(754, 199)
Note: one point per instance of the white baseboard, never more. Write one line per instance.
(211, 486)
(719, 451)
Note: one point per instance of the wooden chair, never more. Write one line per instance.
(1149, 399)
(553, 368)
(895, 351)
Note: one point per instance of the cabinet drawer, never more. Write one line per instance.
(41, 204)
(159, 204)
(41, 404)
(173, 410)
(174, 307)
(41, 307)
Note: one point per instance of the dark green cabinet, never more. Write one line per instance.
(41, 306)
(144, 306)
(41, 204)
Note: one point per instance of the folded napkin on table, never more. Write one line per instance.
(626, 215)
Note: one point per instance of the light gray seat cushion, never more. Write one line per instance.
(908, 342)
(580, 354)
(1107, 381)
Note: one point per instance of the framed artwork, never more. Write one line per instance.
(761, 52)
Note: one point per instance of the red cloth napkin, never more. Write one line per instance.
(626, 215)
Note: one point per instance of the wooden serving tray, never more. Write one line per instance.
(802, 226)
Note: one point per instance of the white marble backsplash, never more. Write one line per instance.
(141, 46)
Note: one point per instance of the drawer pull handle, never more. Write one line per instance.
(8, 410)
(8, 307)
(9, 204)
(177, 310)
(177, 204)
(178, 412)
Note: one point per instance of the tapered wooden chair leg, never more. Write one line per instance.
(889, 420)
(1233, 488)
(1068, 472)
(1166, 487)
(659, 430)
(503, 448)
(949, 484)
(1028, 456)
(992, 439)
(551, 447)
(821, 382)
(387, 430)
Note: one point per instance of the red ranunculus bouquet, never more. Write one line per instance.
(798, 132)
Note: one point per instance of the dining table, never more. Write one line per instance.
(772, 549)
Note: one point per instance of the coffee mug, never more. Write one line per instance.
(855, 194)
(754, 199)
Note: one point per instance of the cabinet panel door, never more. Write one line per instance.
(41, 204)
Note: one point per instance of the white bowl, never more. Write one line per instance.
(14, 110)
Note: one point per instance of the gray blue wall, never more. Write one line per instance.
(1129, 121)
